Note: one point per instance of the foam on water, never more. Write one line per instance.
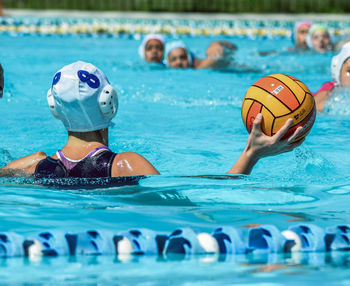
(338, 103)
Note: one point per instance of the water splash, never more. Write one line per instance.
(339, 102)
(312, 163)
(5, 157)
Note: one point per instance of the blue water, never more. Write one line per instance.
(185, 122)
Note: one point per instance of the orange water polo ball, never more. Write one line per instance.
(279, 97)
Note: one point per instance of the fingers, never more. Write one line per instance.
(293, 145)
(257, 124)
(287, 144)
(280, 133)
(295, 135)
(299, 142)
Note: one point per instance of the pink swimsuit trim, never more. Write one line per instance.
(70, 164)
(326, 87)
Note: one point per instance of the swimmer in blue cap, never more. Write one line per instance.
(152, 48)
(177, 55)
(82, 98)
(1, 81)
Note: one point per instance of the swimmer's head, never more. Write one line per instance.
(152, 48)
(319, 39)
(300, 32)
(82, 98)
(341, 66)
(177, 55)
(1, 81)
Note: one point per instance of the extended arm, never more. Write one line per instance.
(215, 55)
(22, 167)
(260, 145)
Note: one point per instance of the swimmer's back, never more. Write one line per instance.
(97, 166)
(40, 165)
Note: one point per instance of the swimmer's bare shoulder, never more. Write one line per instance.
(132, 164)
(23, 167)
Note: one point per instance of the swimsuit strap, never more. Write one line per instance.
(70, 163)
(95, 151)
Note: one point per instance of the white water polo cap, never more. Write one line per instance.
(149, 37)
(82, 98)
(338, 61)
(177, 45)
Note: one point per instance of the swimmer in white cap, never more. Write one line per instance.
(177, 55)
(82, 98)
(340, 68)
(1, 81)
(319, 39)
(152, 48)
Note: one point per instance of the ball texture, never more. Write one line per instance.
(279, 97)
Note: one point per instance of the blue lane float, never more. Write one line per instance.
(266, 239)
(230, 240)
(312, 237)
(184, 242)
(338, 238)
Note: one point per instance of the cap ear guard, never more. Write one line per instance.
(334, 68)
(108, 102)
(51, 102)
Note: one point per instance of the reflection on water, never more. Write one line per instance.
(209, 270)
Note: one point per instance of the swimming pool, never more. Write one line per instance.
(185, 123)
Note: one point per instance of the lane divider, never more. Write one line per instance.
(226, 240)
(50, 26)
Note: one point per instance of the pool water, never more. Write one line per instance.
(186, 123)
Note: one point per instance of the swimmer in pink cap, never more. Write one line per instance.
(152, 48)
(299, 35)
(82, 98)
